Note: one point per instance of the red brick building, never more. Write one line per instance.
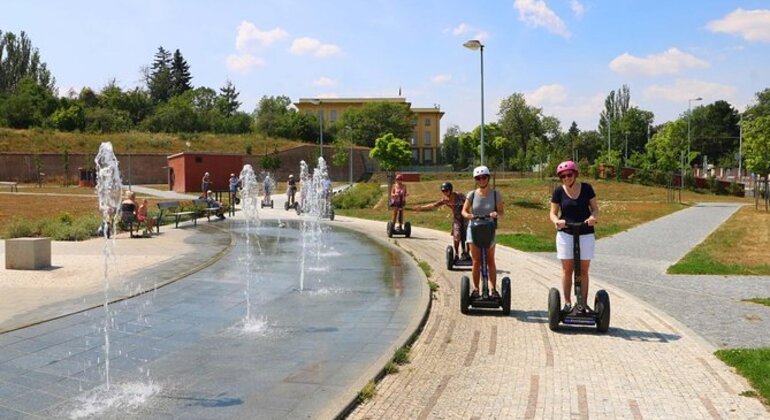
(186, 169)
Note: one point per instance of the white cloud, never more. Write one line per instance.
(672, 61)
(577, 8)
(683, 89)
(441, 78)
(306, 45)
(547, 94)
(537, 13)
(752, 25)
(324, 81)
(243, 63)
(461, 29)
(250, 38)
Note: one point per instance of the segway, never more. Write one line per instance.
(461, 260)
(392, 229)
(579, 314)
(483, 232)
(266, 203)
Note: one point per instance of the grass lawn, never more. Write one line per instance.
(525, 225)
(754, 365)
(760, 301)
(738, 247)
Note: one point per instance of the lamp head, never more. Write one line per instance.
(473, 44)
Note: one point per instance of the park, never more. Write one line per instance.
(258, 227)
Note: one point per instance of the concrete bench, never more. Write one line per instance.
(14, 186)
(27, 253)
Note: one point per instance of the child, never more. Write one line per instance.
(141, 215)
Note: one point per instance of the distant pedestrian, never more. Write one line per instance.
(233, 183)
(205, 182)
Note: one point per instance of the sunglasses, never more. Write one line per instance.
(569, 175)
(480, 177)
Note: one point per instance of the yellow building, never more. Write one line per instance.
(425, 139)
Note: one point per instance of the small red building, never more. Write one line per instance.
(186, 169)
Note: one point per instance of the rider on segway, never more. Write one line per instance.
(291, 191)
(483, 202)
(573, 202)
(398, 201)
(455, 201)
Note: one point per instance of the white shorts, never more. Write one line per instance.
(564, 246)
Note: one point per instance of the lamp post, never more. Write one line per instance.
(740, 149)
(129, 165)
(350, 138)
(320, 124)
(686, 159)
(475, 44)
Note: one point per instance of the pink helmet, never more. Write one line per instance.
(399, 177)
(567, 165)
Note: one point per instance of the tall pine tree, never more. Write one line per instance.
(159, 80)
(228, 100)
(18, 59)
(180, 75)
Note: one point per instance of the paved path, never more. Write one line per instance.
(636, 261)
(487, 366)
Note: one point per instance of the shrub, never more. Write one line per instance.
(19, 229)
(359, 197)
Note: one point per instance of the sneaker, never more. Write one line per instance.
(222, 217)
(567, 307)
(474, 294)
(495, 294)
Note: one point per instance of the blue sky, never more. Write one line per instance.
(564, 55)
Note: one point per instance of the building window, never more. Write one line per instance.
(427, 139)
(427, 122)
(414, 140)
(427, 155)
(415, 155)
(333, 115)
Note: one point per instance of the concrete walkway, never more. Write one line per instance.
(487, 366)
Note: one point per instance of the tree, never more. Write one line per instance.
(180, 75)
(668, 146)
(450, 146)
(715, 131)
(519, 122)
(756, 144)
(227, 102)
(375, 119)
(573, 136)
(159, 80)
(69, 119)
(391, 152)
(19, 60)
(271, 114)
(29, 105)
(615, 107)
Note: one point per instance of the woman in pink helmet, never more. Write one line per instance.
(398, 200)
(573, 202)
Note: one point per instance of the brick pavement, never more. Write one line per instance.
(488, 366)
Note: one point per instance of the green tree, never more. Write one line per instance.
(756, 144)
(271, 114)
(19, 60)
(573, 137)
(138, 104)
(69, 119)
(714, 132)
(180, 74)
(159, 79)
(520, 122)
(668, 146)
(375, 119)
(450, 146)
(30, 105)
(391, 152)
(227, 102)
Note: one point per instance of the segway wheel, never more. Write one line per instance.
(554, 309)
(450, 258)
(298, 210)
(602, 307)
(389, 229)
(286, 205)
(506, 295)
(407, 229)
(331, 215)
(272, 204)
(465, 294)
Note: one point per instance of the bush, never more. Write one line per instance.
(63, 227)
(359, 197)
(19, 229)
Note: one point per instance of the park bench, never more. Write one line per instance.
(171, 209)
(203, 206)
(129, 221)
(14, 186)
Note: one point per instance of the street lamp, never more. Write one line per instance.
(350, 138)
(687, 158)
(475, 44)
(129, 165)
(740, 149)
(320, 124)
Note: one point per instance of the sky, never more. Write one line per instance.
(565, 56)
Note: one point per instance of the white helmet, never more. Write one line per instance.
(480, 170)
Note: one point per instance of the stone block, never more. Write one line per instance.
(27, 253)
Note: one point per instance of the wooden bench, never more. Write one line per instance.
(14, 186)
(171, 209)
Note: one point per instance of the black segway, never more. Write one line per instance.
(579, 314)
(393, 230)
(483, 232)
(461, 260)
(290, 197)
(266, 203)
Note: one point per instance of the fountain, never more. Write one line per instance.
(313, 202)
(249, 206)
